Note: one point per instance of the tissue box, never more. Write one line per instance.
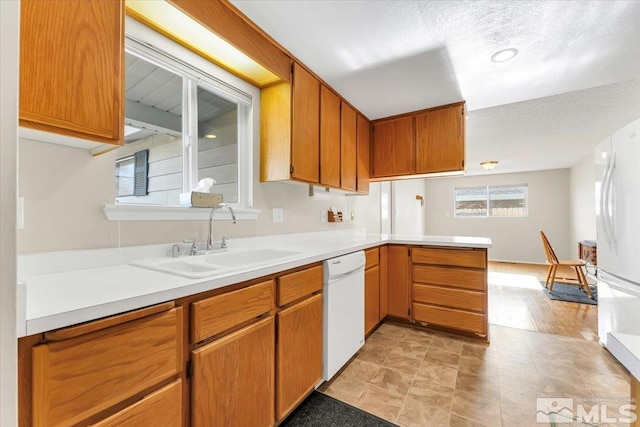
(200, 200)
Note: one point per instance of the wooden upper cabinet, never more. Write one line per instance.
(71, 68)
(440, 140)
(329, 138)
(305, 139)
(393, 152)
(362, 154)
(348, 128)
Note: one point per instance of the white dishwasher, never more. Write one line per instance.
(343, 311)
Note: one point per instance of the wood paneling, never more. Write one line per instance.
(233, 379)
(371, 257)
(348, 126)
(162, 408)
(226, 21)
(275, 132)
(77, 378)
(475, 258)
(450, 318)
(440, 140)
(329, 138)
(371, 298)
(384, 280)
(305, 139)
(292, 287)
(299, 353)
(393, 147)
(399, 284)
(214, 315)
(71, 68)
(456, 298)
(449, 276)
(363, 153)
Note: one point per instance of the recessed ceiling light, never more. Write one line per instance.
(210, 136)
(489, 164)
(504, 55)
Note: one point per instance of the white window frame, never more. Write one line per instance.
(488, 188)
(196, 71)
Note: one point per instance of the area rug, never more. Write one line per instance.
(321, 410)
(570, 293)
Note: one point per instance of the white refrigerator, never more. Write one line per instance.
(618, 227)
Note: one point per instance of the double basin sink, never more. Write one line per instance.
(200, 266)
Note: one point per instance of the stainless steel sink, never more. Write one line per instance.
(200, 266)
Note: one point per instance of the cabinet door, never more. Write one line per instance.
(371, 298)
(162, 408)
(384, 279)
(348, 148)
(233, 378)
(71, 68)
(305, 140)
(440, 140)
(392, 147)
(299, 353)
(329, 138)
(398, 281)
(77, 378)
(362, 154)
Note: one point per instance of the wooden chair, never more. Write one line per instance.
(554, 262)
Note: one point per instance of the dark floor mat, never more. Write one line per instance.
(320, 410)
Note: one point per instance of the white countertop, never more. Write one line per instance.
(626, 348)
(65, 288)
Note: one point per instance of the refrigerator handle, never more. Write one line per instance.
(611, 212)
(604, 194)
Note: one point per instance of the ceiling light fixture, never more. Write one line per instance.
(504, 55)
(489, 164)
(210, 136)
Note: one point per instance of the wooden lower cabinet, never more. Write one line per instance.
(162, 408)
(233, 378)
(371, 298)
(299, 353)
(77, 378)
(399, 282)
(384, 280)
(450, 288)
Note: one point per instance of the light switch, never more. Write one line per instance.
(278, 215)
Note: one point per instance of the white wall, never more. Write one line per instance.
(514, 239)
(408, 214)
(9, 33)
(582, 202)
(65, 188)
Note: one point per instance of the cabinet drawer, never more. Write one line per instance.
(450, 318)
(457, 298)
(162, 408)
(79, 377)
(217, 314)
(458, 277)
(371, 257)
(452, 257)
(296, 285)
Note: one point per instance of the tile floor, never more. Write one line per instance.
(417, 378)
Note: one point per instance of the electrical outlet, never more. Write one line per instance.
(278, 215)
(323, 216)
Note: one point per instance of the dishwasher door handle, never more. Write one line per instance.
(345, 275)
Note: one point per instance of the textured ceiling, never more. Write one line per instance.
(389, 57)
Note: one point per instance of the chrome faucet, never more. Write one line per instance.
(210, 238)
